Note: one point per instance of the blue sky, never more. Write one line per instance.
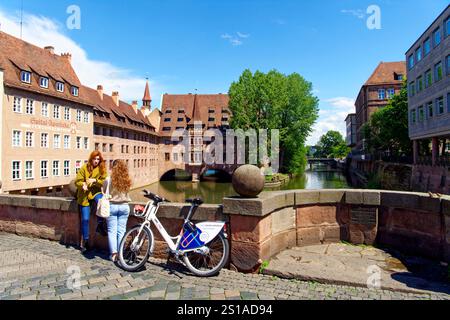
(206, 44)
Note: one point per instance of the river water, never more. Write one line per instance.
(213, 192)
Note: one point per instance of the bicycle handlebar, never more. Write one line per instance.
(154, 197)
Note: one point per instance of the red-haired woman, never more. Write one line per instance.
(119, 186)
(89, 182)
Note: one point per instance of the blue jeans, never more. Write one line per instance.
(85, 215)
(117, 225)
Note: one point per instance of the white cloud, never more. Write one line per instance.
(243, 35)
(42, 31)
(360, 14)
(332, 118)
(235, 40)
(341, 102)
(328, 121)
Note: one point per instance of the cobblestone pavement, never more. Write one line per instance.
(34, 269)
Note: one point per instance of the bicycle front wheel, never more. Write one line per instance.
(135, 248)
(210, 259)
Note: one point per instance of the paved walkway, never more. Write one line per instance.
(352, 265)
(38, 269)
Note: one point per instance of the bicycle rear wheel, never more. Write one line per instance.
(209, 260)
(135, 248)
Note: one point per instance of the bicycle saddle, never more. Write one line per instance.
(195, 202)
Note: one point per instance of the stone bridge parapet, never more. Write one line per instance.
(260, 228)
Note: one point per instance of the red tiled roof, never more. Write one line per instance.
(122, 115)
(17, 55)
(385, 71)
(195, 108)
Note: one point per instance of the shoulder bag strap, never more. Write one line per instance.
(107, 186)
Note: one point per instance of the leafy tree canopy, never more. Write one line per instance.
(276, 101)
(332, 145)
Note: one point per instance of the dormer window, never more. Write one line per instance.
(43, 82)
(25, 76)
(398, 76)
(59, 86)
(75, 91)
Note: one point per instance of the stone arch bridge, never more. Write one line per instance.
(330, 162)
(197, 170)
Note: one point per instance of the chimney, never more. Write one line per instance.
(50, 49)
(134, 104)
(100, 91)
(115, 97)
(68, 56)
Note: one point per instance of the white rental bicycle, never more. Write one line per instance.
(203, 248)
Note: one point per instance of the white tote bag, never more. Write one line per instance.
(103, 205)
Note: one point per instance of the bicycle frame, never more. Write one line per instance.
(149, 217)
(190, 241)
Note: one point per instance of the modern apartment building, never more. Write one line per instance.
(46, 121)
(385, 82)
(428, 62)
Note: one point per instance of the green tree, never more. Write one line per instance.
(387, 129)
(332, 145)
(276, 101)
(340, 151)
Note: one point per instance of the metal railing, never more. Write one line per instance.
(442, 161)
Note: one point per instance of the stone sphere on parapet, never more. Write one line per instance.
(248, 181)
(73, 188)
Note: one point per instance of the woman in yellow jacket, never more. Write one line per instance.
(89, 182)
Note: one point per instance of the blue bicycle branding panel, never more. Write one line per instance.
(191, 240)
(204, 233)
